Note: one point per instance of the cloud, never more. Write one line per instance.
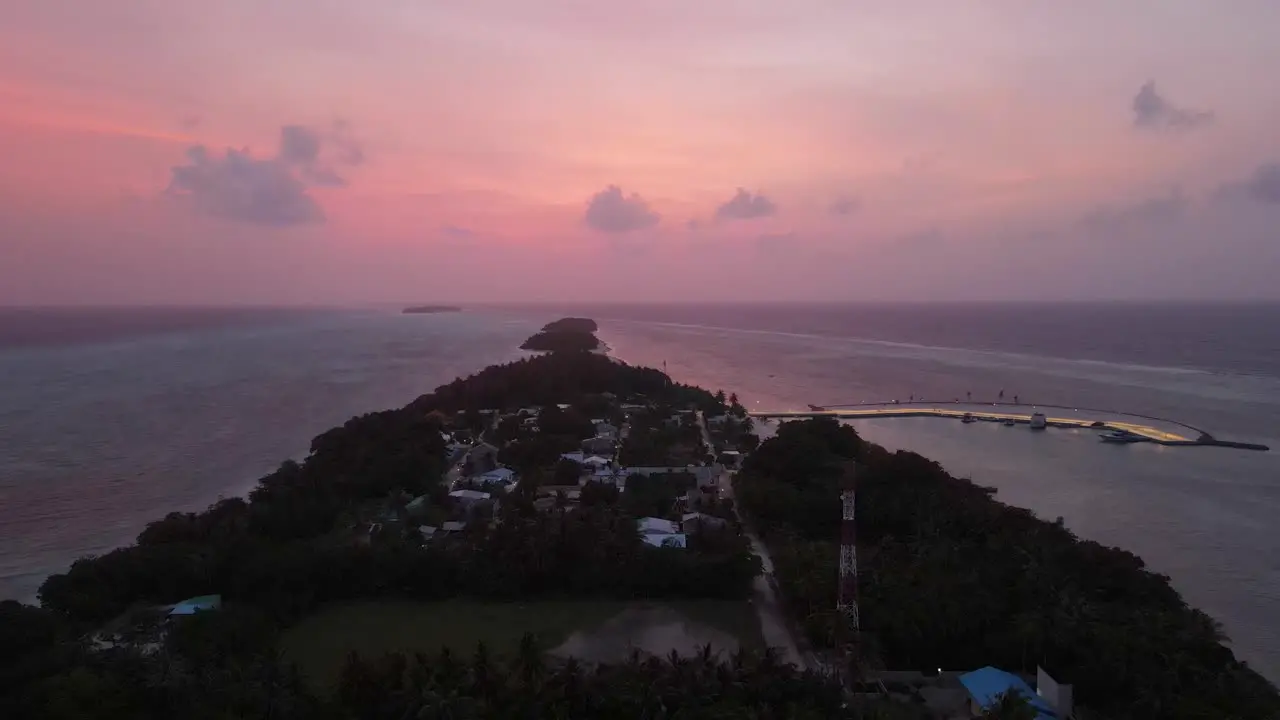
(1263, 186)
(612, 212)
(844, 206)
(457, 233)
(693, 225)
(1153, 111)
(1160, 209)
(746, 206)
(265, 191)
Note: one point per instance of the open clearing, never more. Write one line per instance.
(598, 631)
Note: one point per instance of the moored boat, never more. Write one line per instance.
(1119, 436)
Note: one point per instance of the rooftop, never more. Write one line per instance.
(986, 684)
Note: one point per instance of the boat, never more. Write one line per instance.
(968, 418)
(1038, 421)
(1119, 436)
(1010, 422)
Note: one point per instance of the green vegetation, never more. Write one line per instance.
(321, 643)
(949, 577)
(565, 335)
(529, 686)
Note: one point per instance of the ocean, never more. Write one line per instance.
(109, 422)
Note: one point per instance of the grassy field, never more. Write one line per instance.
(320, 643)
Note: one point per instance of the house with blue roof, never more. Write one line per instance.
(986, 685)
(191, 606)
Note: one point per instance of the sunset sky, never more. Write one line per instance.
(330, 151)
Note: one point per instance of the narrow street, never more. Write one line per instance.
(773, 623)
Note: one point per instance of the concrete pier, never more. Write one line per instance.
(1147, 429)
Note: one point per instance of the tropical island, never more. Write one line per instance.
(565, 335)
(513, 543)
(430, 309)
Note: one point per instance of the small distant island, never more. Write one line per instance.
(571, 334)
(430, 309)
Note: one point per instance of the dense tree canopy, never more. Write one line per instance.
(565, 335)
(949, 577)
(556, 378)
(296, 542)
(571, 324)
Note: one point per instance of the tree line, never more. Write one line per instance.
(222, 665)
(949, 577)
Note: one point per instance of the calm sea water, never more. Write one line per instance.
(110, 420)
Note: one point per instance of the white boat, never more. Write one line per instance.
(1038, 421)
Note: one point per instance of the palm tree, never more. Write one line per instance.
(1009, 705)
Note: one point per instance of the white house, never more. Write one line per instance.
(595, 461)
(469, 497)
(650, 525)
(604, 429)
(427, 531)
(452, 526)
(500, 476)
(577, 457)
(677, 540)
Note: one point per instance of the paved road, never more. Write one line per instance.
(773, 624)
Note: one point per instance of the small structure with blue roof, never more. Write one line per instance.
(191, 606)
(987, 684)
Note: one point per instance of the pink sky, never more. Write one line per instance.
(495, 150)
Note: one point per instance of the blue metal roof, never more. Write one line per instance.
(196, 604)
(985, 684)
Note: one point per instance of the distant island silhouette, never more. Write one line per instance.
(571, 334)
(428, 309)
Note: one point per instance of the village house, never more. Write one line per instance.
(599, 444)
(731, 459)
(500, 477)
(695, 522)
(647, 525)
(658, 532)
(467, 498)
(984, 687)
(483, 457)
(677, 540)
(416, 506)
(605, 429)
